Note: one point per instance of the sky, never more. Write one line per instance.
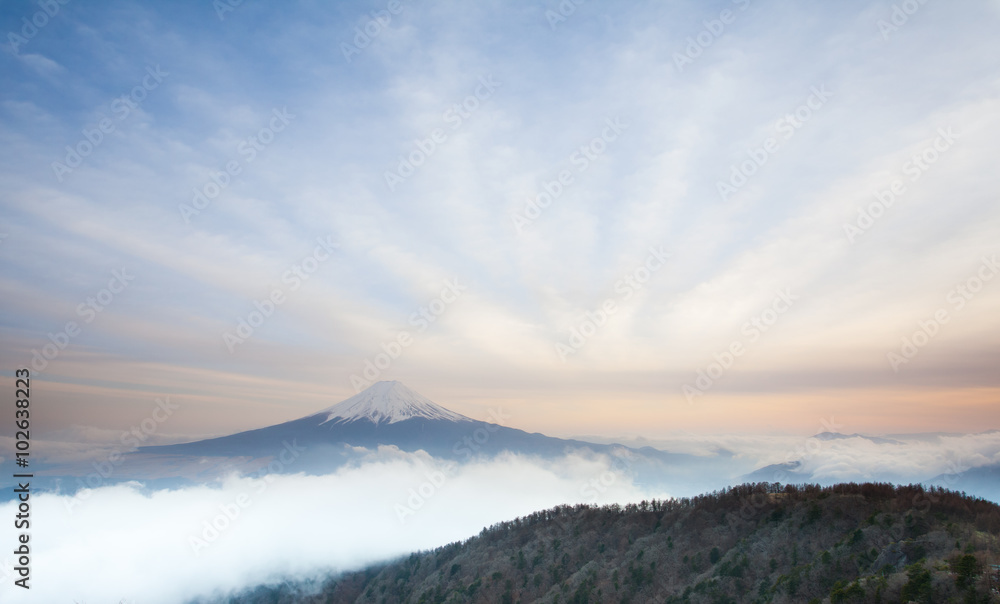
(638, 218)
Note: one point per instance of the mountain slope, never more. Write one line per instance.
(753, 543)
(982, 481)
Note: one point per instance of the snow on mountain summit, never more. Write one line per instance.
(388, 402)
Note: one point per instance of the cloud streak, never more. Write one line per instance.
(885, 98)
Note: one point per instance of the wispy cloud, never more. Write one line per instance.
(655, 185)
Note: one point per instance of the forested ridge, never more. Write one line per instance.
(749, 543)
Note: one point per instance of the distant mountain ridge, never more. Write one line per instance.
(838, 436)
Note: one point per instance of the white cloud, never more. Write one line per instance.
(43, 65)
(119, 543)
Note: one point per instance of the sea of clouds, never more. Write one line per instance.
(126, 543)
(173, 545)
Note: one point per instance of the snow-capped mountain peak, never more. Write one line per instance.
(388, 402)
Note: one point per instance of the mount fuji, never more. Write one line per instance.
(389, 402)
(391, 414)
(386, 413)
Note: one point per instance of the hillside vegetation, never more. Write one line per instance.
(751, 543)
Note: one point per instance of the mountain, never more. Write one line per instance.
(386, 413)
(982, 481)
(388, 402)
(751, 543)
(788, 473)
(391, 414)
(838, 436)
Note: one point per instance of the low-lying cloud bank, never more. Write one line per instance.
(169, 546)
(846, 457)
(124, 543)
